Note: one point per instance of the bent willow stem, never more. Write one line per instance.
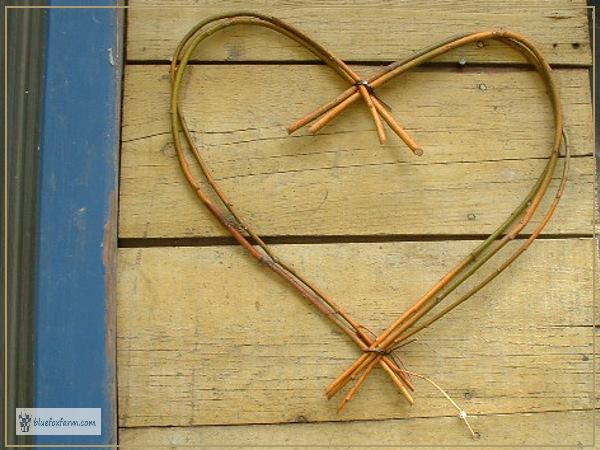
(374, 351)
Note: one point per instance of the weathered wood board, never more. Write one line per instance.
(477, 143)
(372, 31)
(502, 431)
(215, 351)
(220, 340)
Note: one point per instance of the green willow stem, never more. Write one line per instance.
(504, 265)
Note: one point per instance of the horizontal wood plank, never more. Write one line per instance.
(479, 145)
(206, 336)
(503, 432)
(363, 31)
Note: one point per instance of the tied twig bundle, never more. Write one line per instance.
(375, 351)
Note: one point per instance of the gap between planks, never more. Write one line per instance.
(341, 239)
(442, 65)
(349, 421)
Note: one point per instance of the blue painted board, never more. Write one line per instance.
(74, 312)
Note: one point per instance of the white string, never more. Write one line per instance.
(462, 414)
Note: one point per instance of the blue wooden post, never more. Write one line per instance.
(75, 299)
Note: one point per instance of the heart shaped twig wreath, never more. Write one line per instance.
(374, 350)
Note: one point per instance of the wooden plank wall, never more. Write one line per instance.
(214, 350)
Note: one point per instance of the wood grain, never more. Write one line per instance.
(479, 145)
(363, 31)
(503, 432)
(214, 350)
(208, 337)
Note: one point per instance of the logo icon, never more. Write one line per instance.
(24, 422)
(58, 421)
